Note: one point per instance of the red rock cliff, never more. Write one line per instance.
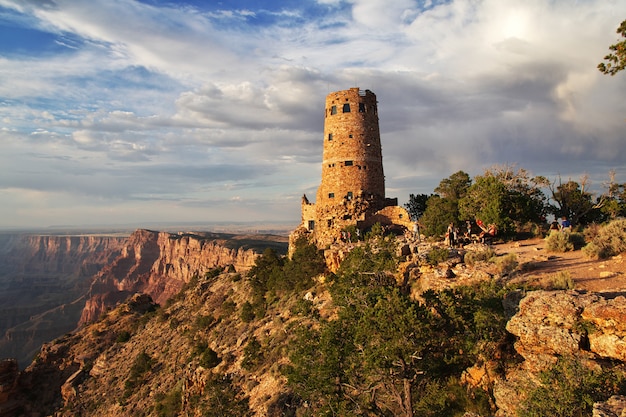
(159, 263)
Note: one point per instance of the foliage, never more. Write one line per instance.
(454, 187)
(437, 255)
(506, 264)
(616, 60)
(204, 322)
(562, 280)
(362, 363)
(472, 257)
(442, 208)
(305, 307)
(123, 337)
(222, 398)
(569, 389)
(252, 354)
(275, 275)
(141, 365)
(610, 240)
(169, 404)
(486, 200)
(247, 312)
(208, 357)
(573, 201)
(559, 241)
(439, 213)
(416, 206)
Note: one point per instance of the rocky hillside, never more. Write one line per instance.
(207, 351)
(52, 284)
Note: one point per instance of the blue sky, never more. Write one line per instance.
(133, 112)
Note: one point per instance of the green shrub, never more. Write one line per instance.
(559, 241)
(204, 322)
(570, 388)
(472, 257)
(562, 280)
(507, 263)
(169, 404)
(142, 364)
(208, 357)
(610, 240)
(305, 307)
(123, 336)
(247, 312)
(437, 255)
(251, 355)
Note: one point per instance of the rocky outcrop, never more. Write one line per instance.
(160, 263)
(553, 324)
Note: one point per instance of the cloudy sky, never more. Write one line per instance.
(130, 112)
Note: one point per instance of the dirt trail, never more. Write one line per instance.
(607, 275)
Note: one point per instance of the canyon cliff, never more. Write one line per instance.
(43, 280)
(50, 284)
(160, 263)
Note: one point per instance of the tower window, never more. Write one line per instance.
(333, 110)
(330, 136)
(331, 195)
(349, 195)
(350, 136)
(361, 107)
(346, 108)
(348, 163)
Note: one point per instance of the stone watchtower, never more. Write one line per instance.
(352, 191)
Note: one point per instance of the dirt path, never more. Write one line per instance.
(608, 275)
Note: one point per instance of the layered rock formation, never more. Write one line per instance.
(51, 284)
(160, 263)
(42, 280)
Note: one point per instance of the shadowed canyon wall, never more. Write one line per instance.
(51, 284)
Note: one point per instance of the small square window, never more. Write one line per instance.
(333, 110)
(331, 195)
(346, 108)
(348, 163)
(349, 195)
(330, 136)
(361, 107)
(350, 136)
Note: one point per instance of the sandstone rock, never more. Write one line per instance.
(613, 407)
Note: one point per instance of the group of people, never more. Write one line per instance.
(563, 225)
(486, 233)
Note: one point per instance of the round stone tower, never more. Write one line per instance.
(351, 196)
(352, 159)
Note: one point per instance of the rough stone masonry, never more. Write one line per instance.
(352, 190)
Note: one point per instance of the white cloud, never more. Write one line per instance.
(193, 106)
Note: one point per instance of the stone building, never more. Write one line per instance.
(352, 191)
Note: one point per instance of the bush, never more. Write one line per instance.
(559, 241)
(561, 281)
(507, 263)
(247, 312)
(123, 336)
(251, 355)
(472, 257)
(142, 364)
(570, 389)
(610, 240)
(169, 404)
(437, 255)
